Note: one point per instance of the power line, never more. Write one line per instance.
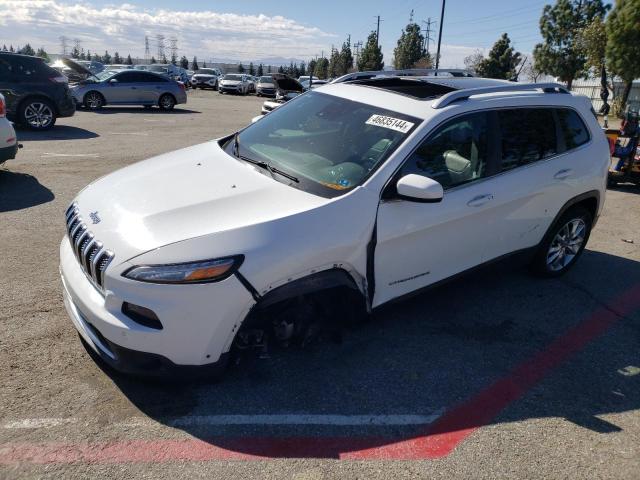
(505, 13)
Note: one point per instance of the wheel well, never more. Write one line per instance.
(591, 204)
(36, 97)
(170, 94)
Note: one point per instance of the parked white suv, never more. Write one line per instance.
(347, 196)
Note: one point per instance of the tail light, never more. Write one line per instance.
(182, 87)
(59, 79)
(3, 107)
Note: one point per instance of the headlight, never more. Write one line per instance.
(204, 271)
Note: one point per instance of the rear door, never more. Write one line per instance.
(151, 87)
(537, 177)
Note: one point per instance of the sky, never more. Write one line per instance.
(255, 30)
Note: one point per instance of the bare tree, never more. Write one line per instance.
(472, 61)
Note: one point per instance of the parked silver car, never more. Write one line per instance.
(129, 87)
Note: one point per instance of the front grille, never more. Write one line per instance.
(91, 254)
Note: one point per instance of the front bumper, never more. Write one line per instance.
(204, 83)
(199, 321)
(230, 89)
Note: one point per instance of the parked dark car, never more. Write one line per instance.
(35, 93)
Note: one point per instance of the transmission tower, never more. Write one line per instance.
(173, 47)
(357, 47)
(77, 45)
(160, 42)
(64, 45)
(147, 51)
(427, 36)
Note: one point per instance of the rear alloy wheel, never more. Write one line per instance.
(167, 102)
(93, 101)
(564, 243)
(38, 114)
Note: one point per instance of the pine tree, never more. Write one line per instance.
(42, 54)
(27, 50)
(269, 69)
(11, 49)
(184, 63)
(370, 57)
(174, 59)
(335, 64)
(346, 58)
(311, 68)
(302, 69)
(89, 55)
(560, 25)
(204, 64)
(501, 62)
(117, 59)
(260, 70)
(240, 68)
(75, 53)
(129, 60)
(4, 48)
(83, 56)
(409, 48)
(153, 60)
(106, 58)
(321, 69)
(194, 64)
(623, 45)
(252, 69)
(280, 69)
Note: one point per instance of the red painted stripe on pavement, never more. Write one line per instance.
(439, 440)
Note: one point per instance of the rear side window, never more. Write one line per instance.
(528, 135)
(572, 128)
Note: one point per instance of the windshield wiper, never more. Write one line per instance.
(262, 164)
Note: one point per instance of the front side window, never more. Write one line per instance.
(455, 154)
(572, 128)
(528, 135)
(330, 144)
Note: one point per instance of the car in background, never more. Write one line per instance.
(8, 141)
(266, 86)
(206, 78)
(252, 84)
(36, 95)
(234, 83)
(189, 77)
(286, 89)
(315, 84)
(172, 71)
(305, 78)
(92, 65)
(129, 87)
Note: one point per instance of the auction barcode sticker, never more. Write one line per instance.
(390, 122)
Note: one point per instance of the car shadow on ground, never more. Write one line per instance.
(21, 190)
(58, 132)
(625, 188)
(427, 354)
(149, 111)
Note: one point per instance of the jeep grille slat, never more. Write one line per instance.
(91, 254)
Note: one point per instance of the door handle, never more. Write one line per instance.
(562, 174)
(480, 200)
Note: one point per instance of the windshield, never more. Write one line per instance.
(266, 80)
(232, 77)
(330, 143)
(205, 71)
(106, 74)
(157, 68)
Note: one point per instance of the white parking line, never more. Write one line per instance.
(227, 420)
(49, 154)
(139, 134)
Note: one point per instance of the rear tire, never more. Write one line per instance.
(37, 114)
(93, 101)
(563, 244)
(167, 102)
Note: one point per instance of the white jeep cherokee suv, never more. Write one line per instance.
(370, 189)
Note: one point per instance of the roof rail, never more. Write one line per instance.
(449, 98)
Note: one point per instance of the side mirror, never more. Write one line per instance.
(113, 81)
(416, 188)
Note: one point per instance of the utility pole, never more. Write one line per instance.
(427, 37)
(147, 50)
(439, 37)
(378, 33)
(64, 45)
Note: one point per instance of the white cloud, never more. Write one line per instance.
(123, 27)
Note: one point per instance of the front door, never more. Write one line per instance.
(422, 243)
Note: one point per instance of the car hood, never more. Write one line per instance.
(189, 193)
(230, 82)
(76, 67)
